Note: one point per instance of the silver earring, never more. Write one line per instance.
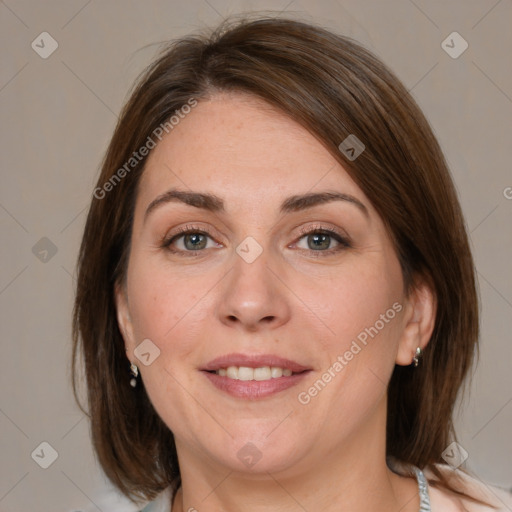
(416, 358)
(135, 372)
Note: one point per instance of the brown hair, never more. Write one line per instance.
(333, 87)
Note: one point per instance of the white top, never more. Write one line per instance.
(432, 499)
(445, 501)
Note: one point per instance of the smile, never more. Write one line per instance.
(259, 374)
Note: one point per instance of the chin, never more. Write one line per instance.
(259, 453)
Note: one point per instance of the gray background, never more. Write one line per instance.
(58, 114)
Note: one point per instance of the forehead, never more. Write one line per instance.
(241, 148)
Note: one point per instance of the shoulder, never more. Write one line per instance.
(443, 500)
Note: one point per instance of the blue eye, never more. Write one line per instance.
(195, 241)
(321, 240)
(191, 241)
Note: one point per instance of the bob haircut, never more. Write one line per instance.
(334, 88)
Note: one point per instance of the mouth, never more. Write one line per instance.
(253, 376)
(261, 373)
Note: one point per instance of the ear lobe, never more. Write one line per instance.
(123, 317)
(420, 316)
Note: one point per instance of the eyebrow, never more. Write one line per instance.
(213, 203)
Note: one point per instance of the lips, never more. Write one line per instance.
(253, 361)
(253, 389)
(292, 373)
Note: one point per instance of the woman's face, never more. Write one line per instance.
(268, 270)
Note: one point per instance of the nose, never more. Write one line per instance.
(252, 297)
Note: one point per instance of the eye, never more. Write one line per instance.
(321, 239)
(189, 240)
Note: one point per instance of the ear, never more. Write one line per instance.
(420, 316)
(123, 318)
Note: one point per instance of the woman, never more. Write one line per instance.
(276, 298)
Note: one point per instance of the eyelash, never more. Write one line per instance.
(342, 240)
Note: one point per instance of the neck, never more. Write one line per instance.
(352, 477)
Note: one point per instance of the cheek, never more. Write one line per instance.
(363, 309)
(171, 311)
(161, 301)
(355, 301)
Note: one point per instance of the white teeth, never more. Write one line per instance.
(262, 373)
(276, 372)
(246, 373)
(232, 372)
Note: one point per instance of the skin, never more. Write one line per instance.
(292, 301)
